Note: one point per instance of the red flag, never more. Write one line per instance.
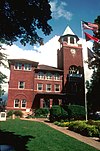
(90, 26)
(89, 37)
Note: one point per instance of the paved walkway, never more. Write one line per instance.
(87, 140)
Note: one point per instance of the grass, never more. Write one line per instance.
(35, 136)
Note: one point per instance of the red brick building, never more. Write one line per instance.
(34, 86)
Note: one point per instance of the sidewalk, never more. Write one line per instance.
(87, 140)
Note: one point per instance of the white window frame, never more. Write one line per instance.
(19, 85)
(23, 103)
(18, 66)
(27, 67)
(57, 86)
(40, 86)
(15, 103)
(40, 75)
(48, 89)
(48, 76)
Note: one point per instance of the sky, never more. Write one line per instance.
(70, 13)
(64, 13)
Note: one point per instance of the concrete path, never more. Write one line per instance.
(88, 140)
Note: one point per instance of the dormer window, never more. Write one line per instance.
(18, 66)
(56, 76)
(48, 76)
(27, 67)
(40, 75)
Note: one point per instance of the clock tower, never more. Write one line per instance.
(69, 59)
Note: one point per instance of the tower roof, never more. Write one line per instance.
(68, 31)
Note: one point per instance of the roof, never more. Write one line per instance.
(68, 31)
(11, 61)
(48, 68)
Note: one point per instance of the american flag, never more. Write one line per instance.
(90, 26)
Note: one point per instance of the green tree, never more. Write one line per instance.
(2, 80)
(93, 95)
(22, 19)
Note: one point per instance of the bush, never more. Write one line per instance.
(76, 112)
(57, 113)
(64, 124)
(84, 129)
(42, 112)
(18, 113)
(10, 113)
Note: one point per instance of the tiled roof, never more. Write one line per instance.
(48, 68)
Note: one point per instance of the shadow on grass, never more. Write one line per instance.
(11, 140)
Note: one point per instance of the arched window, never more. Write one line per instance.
(73, 70)
(23, 103)
(16, 103)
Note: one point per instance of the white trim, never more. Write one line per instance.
(50, 88)
(37, 86)
(56, 87)
(20, 85)
(24, 103)
(14, 103)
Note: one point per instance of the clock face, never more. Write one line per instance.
(73, 51)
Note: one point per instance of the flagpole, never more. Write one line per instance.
(84, 76)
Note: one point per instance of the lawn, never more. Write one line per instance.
(35, 136)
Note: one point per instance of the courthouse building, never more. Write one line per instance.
(32, 85)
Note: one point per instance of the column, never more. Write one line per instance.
(51, 102)
(60, 101)
(41, 102)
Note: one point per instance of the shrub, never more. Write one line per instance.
(41, 112)
(57, 113)
(10, 113)
(84, 129)
(76, 112)
(64, 124)
(18, 113)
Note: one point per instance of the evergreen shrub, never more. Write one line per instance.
(42, 112)
(10, 113)
(18, 113)
(57, 113)
(76, 112)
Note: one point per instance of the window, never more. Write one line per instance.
(73, 70)
(57, 87)
(56, 77)
(16, 103)
(48, 76)
(71, 40)
(39, 86)
(27, 67)
(18, 66)
(21, 85)
(40, 75)
(23, 103)
(48, 87)
(65, 39)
